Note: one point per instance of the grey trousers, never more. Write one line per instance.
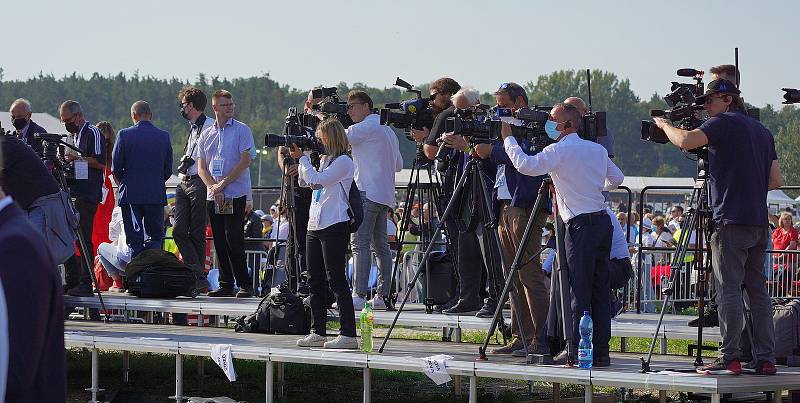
(738, 254)
(371, 236)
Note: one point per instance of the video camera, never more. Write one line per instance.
(330, 105)
(685, 99)
(792, 96)
(413, 113)
(51, 142)
(298, 129)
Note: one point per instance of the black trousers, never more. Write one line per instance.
(588, 243)
(190, 222)
(228, 232)
(326, 251)
(76, 271)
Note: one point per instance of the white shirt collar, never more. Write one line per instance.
(6, 201)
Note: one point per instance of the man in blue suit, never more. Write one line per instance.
(142, 162)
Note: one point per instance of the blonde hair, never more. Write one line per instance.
(659, 220)
(337, 139)
(785, 215)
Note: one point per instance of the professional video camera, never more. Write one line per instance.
(330, 105)
(413, 113)
(792, 96)
(51, 143)
(298, 129)
(685, 101)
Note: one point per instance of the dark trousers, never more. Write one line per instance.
(588, 244)
(228, 232)
(326, 256)
(190, 222)
(76, 271)
(140, 220)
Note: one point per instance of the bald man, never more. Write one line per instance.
(606, 141)
(142, 162)
(25, 129)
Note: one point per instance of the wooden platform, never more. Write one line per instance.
(403, 355)
(625, 325)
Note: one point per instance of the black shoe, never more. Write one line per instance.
(461, 309)
(487, 311)
(221, 292)
(81, 290)
(601, 361)
(709, 319)
(202, 283)
(448, 305)
(243, 293)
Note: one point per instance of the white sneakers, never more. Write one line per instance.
(358, 303)
(345, 342)
(378, 302)
(315, 340)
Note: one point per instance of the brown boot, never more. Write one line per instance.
(509, 348)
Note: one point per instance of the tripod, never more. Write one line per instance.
(287, 200)
(698, 219)
(422, 192)
(472, 170)
(56, 167)
(543, 196)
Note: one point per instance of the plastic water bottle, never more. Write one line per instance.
(585, 345)
(367, 321)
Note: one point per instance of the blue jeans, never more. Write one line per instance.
(371, 237)
(111, 260)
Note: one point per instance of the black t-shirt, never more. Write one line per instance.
(438, 125)
(25, 177)
(92, 145)
(740, 155)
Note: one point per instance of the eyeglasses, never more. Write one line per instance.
(433, 96)
(711, 99)
(225, 105)
(183, 104)
(351, 106)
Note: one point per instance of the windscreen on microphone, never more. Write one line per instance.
(689, 72)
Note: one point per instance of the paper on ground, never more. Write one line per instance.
(221, 353)
(435, 367)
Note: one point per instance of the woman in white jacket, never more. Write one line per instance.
(328, 234)
(116, 255)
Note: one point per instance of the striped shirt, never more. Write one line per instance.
(90, 141)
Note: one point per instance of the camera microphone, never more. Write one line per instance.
(689, 72)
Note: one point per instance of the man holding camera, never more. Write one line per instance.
(581, 172)
(189, 230)
(85, 188)
(142, 162)
(743, 167)
(25, 128)
(368, 140)
(516, 193)
(224, 167)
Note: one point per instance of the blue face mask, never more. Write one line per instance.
(550, 129)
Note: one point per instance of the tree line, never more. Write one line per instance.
(262, 103)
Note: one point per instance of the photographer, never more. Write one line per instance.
(441, 91)
(516, 194)
(25, 127)
(224, 167)
(581, 171)
(328, 229)
(476, 262)
(189, 230)
(743, 168)
(85, 188)
(369, 139)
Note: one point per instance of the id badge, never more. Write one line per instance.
(216, 166)
(81, 169)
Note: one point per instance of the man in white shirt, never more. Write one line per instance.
(581, 172)
(376, 154)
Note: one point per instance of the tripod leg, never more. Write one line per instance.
(401, 227)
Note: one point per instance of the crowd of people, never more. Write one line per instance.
(115, 182)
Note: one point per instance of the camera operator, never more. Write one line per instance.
(474, 264)
(369, 139)
(36, 192)
(606, 141)
(743, 167)
(224, 166)
(85, 189)
(581, 172)
(189, 230)
(25, 127)
(441, 91)
(516, 193)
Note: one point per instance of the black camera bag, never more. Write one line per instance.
(442, 278)
(278, 312)
(156, 273)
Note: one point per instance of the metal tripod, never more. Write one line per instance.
(470, 171)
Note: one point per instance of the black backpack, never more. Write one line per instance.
(278, 312)
(355, 207)
(156, 273)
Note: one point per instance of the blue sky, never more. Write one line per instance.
(479, 43)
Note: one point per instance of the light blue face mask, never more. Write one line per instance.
(550, 129)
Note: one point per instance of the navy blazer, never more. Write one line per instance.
(142, 162)
(523, 188)
(32, 142)
(34, 300)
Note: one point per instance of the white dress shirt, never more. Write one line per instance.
(329, 200)
(376, 153)
(580, 169)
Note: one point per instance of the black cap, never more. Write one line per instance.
(722, 86)
(513, 90)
